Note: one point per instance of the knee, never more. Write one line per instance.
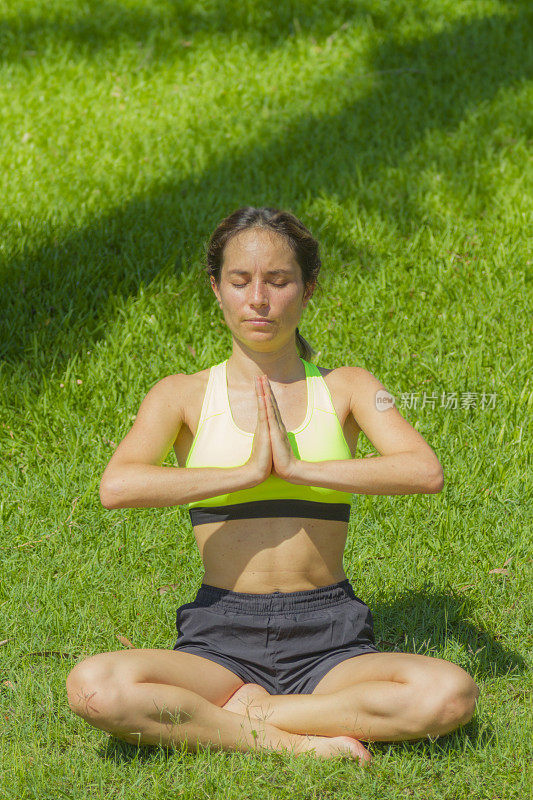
(454, 703)
(95, 694)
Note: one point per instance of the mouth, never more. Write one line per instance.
(259, 321)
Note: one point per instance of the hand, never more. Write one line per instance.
(260, 461)
(283, 458)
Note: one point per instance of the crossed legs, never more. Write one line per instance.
(374, 697)
(163, 696)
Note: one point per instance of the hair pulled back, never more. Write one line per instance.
(298, 237)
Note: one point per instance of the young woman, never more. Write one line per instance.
(276, 651)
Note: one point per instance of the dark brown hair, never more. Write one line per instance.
(299, 239)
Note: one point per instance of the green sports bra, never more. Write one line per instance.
(220, 443)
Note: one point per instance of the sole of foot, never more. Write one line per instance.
(326, 747)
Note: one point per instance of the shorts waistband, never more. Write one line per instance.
(272, 602)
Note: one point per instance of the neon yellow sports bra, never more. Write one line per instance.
(220, 443)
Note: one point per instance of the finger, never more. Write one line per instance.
(273, 406)
(268, 402)
(260, 398)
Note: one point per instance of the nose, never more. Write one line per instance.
(258, 294)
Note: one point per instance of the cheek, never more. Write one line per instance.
(230, 301)
(292, 303)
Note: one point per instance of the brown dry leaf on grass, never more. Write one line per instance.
(125, 642)
(501, 570)
(167, 587)
(497, 571)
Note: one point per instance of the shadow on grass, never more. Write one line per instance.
(168, 31)
(479, 736)
(424, 621)
(123, 753)
(429, 84)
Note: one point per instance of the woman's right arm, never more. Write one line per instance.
(134, 478)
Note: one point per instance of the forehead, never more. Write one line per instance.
(258, 248)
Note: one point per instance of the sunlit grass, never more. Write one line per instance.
(401, 134)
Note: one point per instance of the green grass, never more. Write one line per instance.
(400, 133)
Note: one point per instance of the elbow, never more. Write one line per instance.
(436, 481)
(107, 498)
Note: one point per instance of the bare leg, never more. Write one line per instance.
(371, 711)
(248, 699)
(152, 713)
(385, 711)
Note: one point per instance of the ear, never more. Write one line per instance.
(215, 289)
(308, 293)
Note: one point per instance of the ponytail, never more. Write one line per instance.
(305, 350)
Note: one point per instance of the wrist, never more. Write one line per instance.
(249, 475)
(296, 472)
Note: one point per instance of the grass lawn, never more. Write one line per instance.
(400, 133)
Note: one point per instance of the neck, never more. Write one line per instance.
(280, 366)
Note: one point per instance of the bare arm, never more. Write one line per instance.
(150, 486)
(407, 464)
(134, 478)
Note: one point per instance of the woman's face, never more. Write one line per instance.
(260, 279)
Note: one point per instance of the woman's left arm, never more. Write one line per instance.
(406, 464)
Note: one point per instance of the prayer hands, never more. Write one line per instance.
(271, 450)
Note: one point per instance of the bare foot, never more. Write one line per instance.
(245, 698)
(334, 747)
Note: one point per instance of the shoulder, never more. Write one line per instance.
(181, 388)
(359, 386)
(182, 381)
(170, 385)
(350, 378)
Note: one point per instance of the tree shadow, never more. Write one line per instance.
(95, 26)
(339, 154)
(168, 31)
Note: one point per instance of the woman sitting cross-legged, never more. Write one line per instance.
(276, 651)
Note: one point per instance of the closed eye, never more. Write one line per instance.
(240, 285)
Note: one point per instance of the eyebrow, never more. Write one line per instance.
(268, 272)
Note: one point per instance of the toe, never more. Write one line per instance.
(358, 749)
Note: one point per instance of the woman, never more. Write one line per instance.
(276, 651)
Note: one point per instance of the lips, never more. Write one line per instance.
(258, 319)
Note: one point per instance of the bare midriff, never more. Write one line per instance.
(270, 554)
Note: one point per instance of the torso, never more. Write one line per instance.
(268, 555)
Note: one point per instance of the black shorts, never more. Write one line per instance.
(284, 641)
